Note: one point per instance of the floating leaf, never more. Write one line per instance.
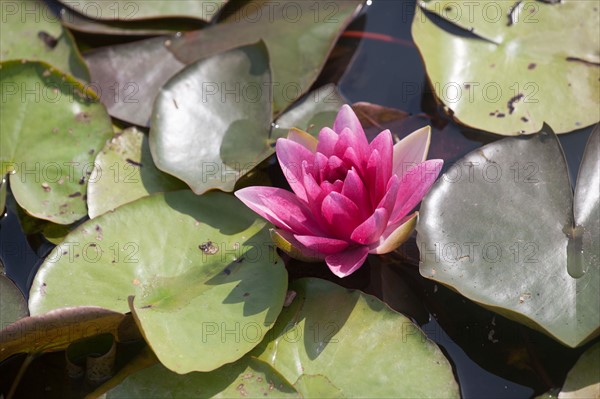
(123, 172)
(583, 381)
(52, 127)
(522, 64)
(57, 329)
(329, 336)
(202, 270)
(30, 31)
(13, 305)
(498, 227)
(247, 377)
(209, 137)
(124, 10)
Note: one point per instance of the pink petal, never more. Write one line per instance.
(280, 207)
(372, 228)
(303, 138)
(384, 144)
(395, 234)
(357, 141)
(322, 245)
(352, 159)
(291, 155)
(327, 140)
(319, 166)
(335, 169)
(355, 190)
(345, 263)
(414, 185)
(411, 150)
(346, 118)
(314, 193)
(374, 178)
(391, 194)
(341, 214)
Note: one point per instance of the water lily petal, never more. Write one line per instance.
(322, 245)
(346, 118)
(371, 229)
(395, 234)
(384, 144)
(355, 190)
(280, 207)
(291, 155)
(358, 142)
(341, 215)
(374, 178)
(411, 150)
(327, 141)
(415, 183)
(352, 159)
(388, 201)
(304, 138)
(344, 263)
(335, 169)
(286, 241)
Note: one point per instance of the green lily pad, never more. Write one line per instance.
(124, 10)
(202, 136)
(30, 31)
(209, 137)
(583, 381)
(499, 227)
(13, 305)
(202, 270)
(329, 336)
(52, 128)
(57, 329)
(123, 172)
(247, 377)
(516, 65)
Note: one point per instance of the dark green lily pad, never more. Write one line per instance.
(124, 10)
(501, 228)
(583, 381)
(201, 268)
(13, 305)
(30, 31)
(124, 171)
(516, 65)
(329, 336)
(51, 135)
(247, 377)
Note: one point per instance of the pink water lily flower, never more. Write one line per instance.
(350, 198)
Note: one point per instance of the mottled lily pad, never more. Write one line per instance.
(516, 65)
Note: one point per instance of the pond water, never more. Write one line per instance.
(486, 350)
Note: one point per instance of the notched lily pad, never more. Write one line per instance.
(502, 228)
(516, 65)
(200, 270)
(329, 335)
(52, 127)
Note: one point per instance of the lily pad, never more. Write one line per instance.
(247, 377)
(583, 381)
(13, 305)
(201, 268)
(125, 10)
(515, 65)
(123, 172)
(57, 329)
(30, 31)
(329, 336)
(52, 128)
(212, 122)
(501, 228)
